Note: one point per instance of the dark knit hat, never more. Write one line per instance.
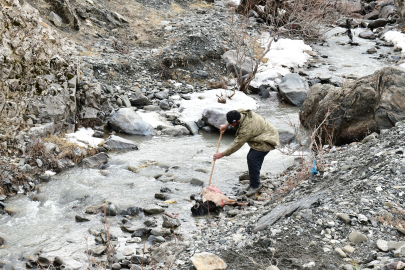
(233, 116)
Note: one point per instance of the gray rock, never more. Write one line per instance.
(168, 251)
(175, 131)
(237, 63)
(136, 259)
(115, 266)
(357, 237)
(152, 108)
(98, 250)
(81, 218)
(294, 89)
(272, 267)
(372, 50)
(39, 163)
(95, 161)
(387, 11)
(199, 74)
(159, 239)
(367, 34)
(164, 105)
(153, 209)
(117, 143)
(53, 17)
(192, 126)
(197, 182)
(162, 95)
(139, 99)
(111, 209)
(125, 101)
(214, 117)
(382, 245)
(161, 232)
(128, 121)
(162, 196)
(50, 147)
(43, 131)
(378, 23)
(170, 222)
(141, 232)
(373, 15)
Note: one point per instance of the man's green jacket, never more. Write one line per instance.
(256, 131)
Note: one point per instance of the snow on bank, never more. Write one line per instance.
(194, 107)
(153, 118)
(397, 38)
(283, 54)
(84, 137)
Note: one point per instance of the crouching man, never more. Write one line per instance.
(260, 135)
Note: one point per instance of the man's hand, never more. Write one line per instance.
(218, 156)
(223, 128)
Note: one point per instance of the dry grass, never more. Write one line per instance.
(217, 85)
(396, 220)
(176, 8)
(201, 4)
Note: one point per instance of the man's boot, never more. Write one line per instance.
(253, 191)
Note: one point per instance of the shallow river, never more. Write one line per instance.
(49, 225)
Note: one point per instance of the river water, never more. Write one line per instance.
(48, 224)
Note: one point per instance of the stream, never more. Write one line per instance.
(48, 225)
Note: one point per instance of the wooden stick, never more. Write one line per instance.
(213, 164)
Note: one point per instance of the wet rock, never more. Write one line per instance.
(165, 190)
(234, 63)
(294, 89)
(372, 15)
(115, 266)
(128, 121)
(81, 218)
(111, 209)
(98, 250)
(170, 222)
(43, 261)
(387, 11)
(162, 95)
(95, 209)
(175, 131)
(367, 34)
(192, 126)
(357, 237)
(162, 196)
(153, 209)
(372, 50)
(131, 211)
(117, 143)
(95, 161)
(207, 261)
(197, 182)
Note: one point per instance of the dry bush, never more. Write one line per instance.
(36, 150)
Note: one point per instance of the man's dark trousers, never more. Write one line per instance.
(255, 160)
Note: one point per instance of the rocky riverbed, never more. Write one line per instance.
(129, 59)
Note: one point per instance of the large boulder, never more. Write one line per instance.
(293, 89)
(387, 11)
(118, 143)
(128, 121)
(214, 116)
(369, 104)
(236, 62)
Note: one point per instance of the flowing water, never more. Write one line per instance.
(48, 224)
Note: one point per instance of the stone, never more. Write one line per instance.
(192, 127)
(207, 261)
(140, 259)
(400, 252)
(125, 101)
(356, 101)
(293, 89)
(382, 245)
(50, 147)
(387, 11)
(116, 266)
(286, 137)
(347, 267)
(167, 252)
(128, 121)
(199, 74)
(372, 50)
(111, 209)
(378, 23)
(117, 143)
(153, 209)
(162, 95)
(348, 249)
(164, 104)
(170, 222)
(98, 250)
(197, 182)
(81, 218)
(39, 163)
(95, 161)
(238, 64)
(141, 232)
(139, 99)
(340, 252)
(214, 117)
(162, 196)
(357, 237)
(373, 15)
(161, 232)
(53, 17)
(368, 34)
(131, 211)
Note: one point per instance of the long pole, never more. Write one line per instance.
(213, 164)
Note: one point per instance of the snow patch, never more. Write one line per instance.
(193, 108)
(84, 137)
(397, 38)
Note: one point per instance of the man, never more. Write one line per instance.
(261, 136)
